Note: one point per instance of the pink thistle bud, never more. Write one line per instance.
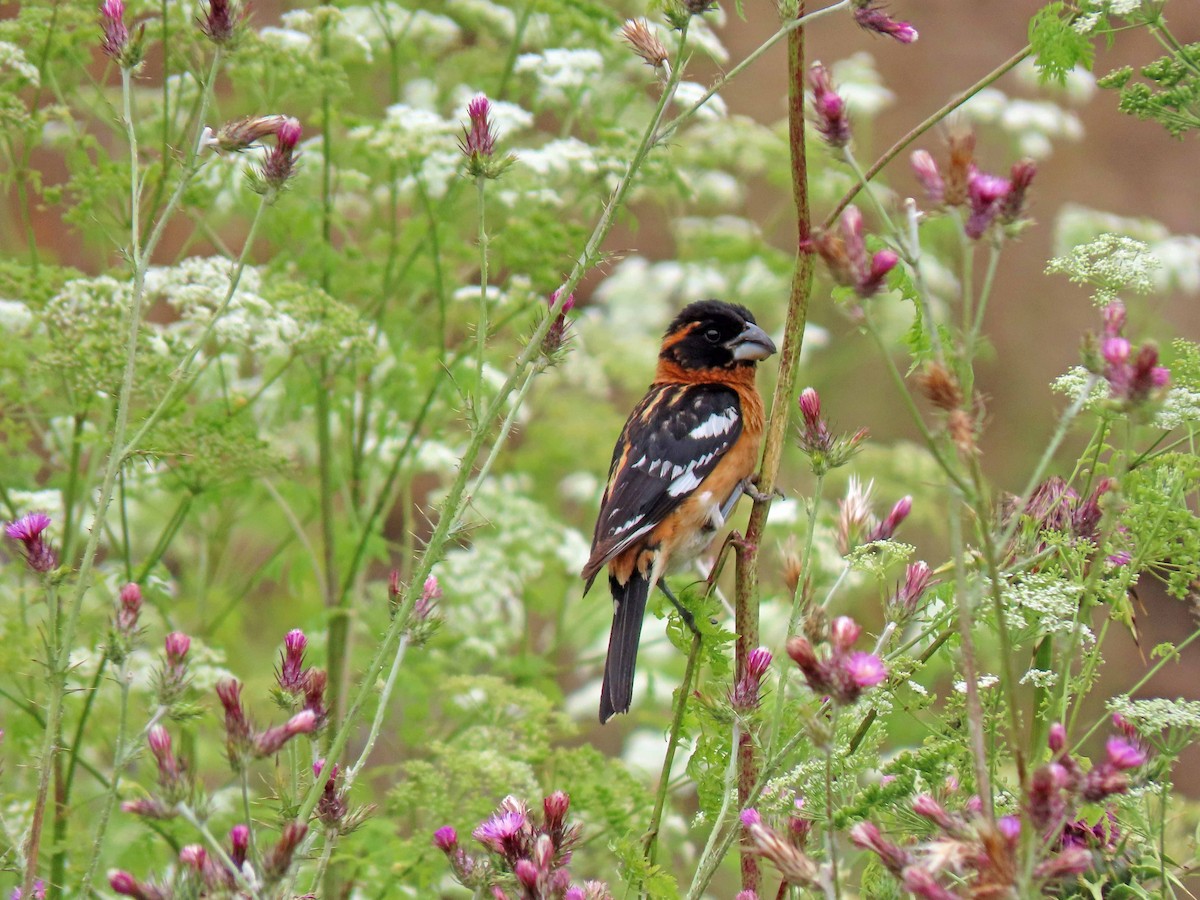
(554, 808)
(829, 109)
(927, 173)
(239, 844)
(917, 579)
(873, 18)
(750, 817)
(1058, 737)
(810, 406)
(280, 164)
(193, 856)
(127, 886)
(116, 34)
(1046, 803)
(176, 646)
(129, 608)
(478, 142)
(159, 741)
(291, 662)
(1019, 179)
(814, 435)
(868, 836)
(887, 528)
(243, 133)
(881, 263)
(1124, 755)
(271, 741)
(925, 805)
(445, 839)
(28, 531)
(865, 670)
(815, 672)
(526, 873)
(843, 633)
(985, 195)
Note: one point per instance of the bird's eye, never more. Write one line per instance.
(712, 335)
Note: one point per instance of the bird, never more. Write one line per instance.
(685, 456)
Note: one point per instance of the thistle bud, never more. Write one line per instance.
(28, 530)
(872, 17)
(645, 43)
(828, 108)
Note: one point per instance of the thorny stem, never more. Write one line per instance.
(377, 722)
(917, 130)
(49, 741)
(650, 841)
(453, 505)
(481, 326)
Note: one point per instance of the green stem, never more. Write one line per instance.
(830, 833)
(650, 840)
(381, 709)
(110, 796)
(50, 737)
(481, 326)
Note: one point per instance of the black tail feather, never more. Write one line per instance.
(629, 609)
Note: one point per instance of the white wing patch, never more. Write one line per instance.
(621, 529)
(715, 425)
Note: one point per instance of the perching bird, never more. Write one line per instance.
(684, 458)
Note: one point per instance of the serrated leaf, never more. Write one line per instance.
(1057, 47)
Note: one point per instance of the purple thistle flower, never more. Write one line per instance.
(750, 817)
(1124, 755)
(930, 177)
(291, 662)
(559, 334)
(116, 34)
(332, 807)
(28, 530)
(1019, 179)
(127, 886)
(193, 856)
(872, 17)
(237, 726)
(314, 693)
(176, 645)
(829, 108)
(985, 195)
(1057, 739)
(814, 436)
(864, 670)
(1010, 827)
(843, 633)
(501, 832)
(478, 141)
(745, 693)
(39, 891)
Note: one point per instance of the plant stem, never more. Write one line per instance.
(481, 326)
(377, 722)
(975, 724)
(746, 581)
(650, 841)
(110, 796)
(830, 834)
(216, 848)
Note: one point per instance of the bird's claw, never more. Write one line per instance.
(750, 488)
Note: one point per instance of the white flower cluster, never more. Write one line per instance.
(561, 74)
(1075, 381)
(1045, 604)
(1035, 124)
(13, 58)
(1111, 263)
(1179, 408)
(1157, 713)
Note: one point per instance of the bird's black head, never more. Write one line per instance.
(712, 334)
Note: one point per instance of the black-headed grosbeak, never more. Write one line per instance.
(684, 458)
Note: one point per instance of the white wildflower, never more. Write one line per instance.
(287, 39)
(983, 682)
(1086, 24)
(1155, 714)
(1040, 678)
(1180, 407)
(13, 58)
(15, 316)
(491, 18)
(1111, 263)
(564, 159)
(560, 72)
(918, 688)
(1123, 7)
(1045, 604)
(1075, 381)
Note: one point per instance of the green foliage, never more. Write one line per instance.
(1057, 46)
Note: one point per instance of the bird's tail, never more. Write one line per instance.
(629, 608)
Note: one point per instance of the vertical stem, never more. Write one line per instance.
(481, 327)
(746, 585)
(110, 797)
(830, 833)
(664, 777)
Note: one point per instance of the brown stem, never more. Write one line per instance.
(746, 588)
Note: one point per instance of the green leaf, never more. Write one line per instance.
(1057, 47)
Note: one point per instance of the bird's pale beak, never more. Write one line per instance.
(752, 343)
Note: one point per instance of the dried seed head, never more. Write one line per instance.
(941, 386)
(645, 43)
